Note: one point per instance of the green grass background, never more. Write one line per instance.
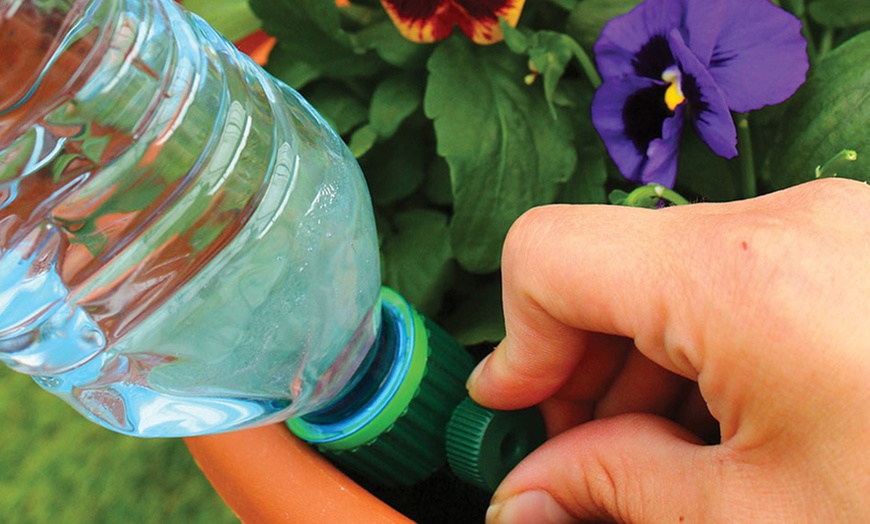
(56, 467)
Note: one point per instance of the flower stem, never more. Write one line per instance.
(812, 48)
(650, 196)
(587, 64)
(827, 41)
(841, 159)
(747, 159)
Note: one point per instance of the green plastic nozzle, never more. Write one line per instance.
(483, 445)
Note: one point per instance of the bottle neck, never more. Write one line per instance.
(382, 386)
(389, 424)
(382, 369)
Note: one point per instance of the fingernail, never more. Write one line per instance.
(531, 506)
(475, 374)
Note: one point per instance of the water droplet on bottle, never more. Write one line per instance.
(92, 338)
(47, 382)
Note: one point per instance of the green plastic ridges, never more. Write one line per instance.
(483, 445)
(414, 446)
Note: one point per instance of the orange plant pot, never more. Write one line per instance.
(267, 475)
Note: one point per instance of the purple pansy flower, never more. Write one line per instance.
(670, 59)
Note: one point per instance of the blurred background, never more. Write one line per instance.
(55, 466)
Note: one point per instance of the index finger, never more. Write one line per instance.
(569, 271)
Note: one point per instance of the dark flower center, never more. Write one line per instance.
(415, 9)
(482, 9)
(653, 58)
(693, 95)
(425, 9)
(643, 115)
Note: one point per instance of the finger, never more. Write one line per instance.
(597, 357)
(576, 400)
(571, 270)
(643, 387)
(604, 359)
(631, 468)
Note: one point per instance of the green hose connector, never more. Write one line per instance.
(483, 445)
(397, 437)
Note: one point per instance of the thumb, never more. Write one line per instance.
(630, 468)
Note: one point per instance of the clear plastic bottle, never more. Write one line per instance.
(185, 246)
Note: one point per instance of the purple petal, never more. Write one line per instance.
(642, 155)
(710, 114)
(702, 26)
(662, 153)
(607, 108)
(623, 37)
(760, 57)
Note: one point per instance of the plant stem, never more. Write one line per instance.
(587, 64)
(747, 159)
(650, 195)
(812, 52)
(827, 42)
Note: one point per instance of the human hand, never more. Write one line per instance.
(630, 327)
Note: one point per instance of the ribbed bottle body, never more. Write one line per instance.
(186, 246)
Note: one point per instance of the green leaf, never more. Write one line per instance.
(395, 168)
(417, 260)
(438, 187)
(549, 54)
(310, 31)
(517, 39)
(550, 57)
(362, 140)
(587, 184)
(588, 18)
(506, 154)
(338, 106)
(393, 100)
(840, 13)
(828, 114)
(232, 18)
(293, 72)
(617, 197)
(702, 173)
(391, 46)
(480, 318)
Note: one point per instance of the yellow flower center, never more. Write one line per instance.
(674, 93)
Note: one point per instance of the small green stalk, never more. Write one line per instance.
(747, 159)
(648, 196)
(587, 64)
(832, 166)
(827, 42)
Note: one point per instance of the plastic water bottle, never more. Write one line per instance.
(187, 248)
(185, 245)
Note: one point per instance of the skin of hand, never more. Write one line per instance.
(643, 335)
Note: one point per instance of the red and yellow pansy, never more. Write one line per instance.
(430, 20)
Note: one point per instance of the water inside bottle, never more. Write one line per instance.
(185, 246)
